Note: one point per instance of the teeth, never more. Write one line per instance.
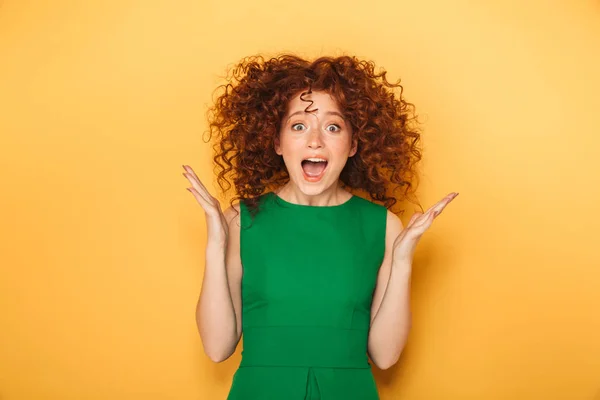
(316, 159)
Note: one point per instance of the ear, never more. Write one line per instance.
(354, 148)
(277, 145)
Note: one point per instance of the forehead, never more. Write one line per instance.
(322, 101)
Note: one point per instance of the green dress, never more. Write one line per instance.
(309, 273)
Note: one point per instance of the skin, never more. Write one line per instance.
(320, 133)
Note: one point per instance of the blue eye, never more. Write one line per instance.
(296, 125)
(336, 128)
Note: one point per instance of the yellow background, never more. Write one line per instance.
(102, 248)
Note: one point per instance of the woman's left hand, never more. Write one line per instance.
(406, 242)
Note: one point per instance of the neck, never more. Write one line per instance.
(331, 196)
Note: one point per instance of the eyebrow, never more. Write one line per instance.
(326, 113)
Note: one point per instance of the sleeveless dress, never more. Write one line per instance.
(309, 273)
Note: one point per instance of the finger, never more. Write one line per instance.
(421, 222)
(445, 200)
(192, 175)
(199, 187)
(437, 208)
(424, 221)
(415, 216)
(205, 204)
(191, 172)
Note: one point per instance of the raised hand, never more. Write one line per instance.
(215, 220)
(406, 242)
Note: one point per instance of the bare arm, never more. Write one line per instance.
(390, 311)
(218, 311)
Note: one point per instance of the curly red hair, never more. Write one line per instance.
(247, 114)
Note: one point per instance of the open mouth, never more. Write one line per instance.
(314, 168)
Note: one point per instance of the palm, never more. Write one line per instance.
(406, 242)
(217, 224)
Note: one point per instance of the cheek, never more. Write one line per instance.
(289, 146)
(341, 148)
(281, 145)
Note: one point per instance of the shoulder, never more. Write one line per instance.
(239, 211)
(368, 205)
(387, 224)
(232, 213)
(393, 224)
(373, 207)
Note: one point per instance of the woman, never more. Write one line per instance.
(316, 278)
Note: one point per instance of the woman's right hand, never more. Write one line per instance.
(218, 229)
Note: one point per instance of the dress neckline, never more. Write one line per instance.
(280, 200)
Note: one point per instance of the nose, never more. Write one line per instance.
(315, 141)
